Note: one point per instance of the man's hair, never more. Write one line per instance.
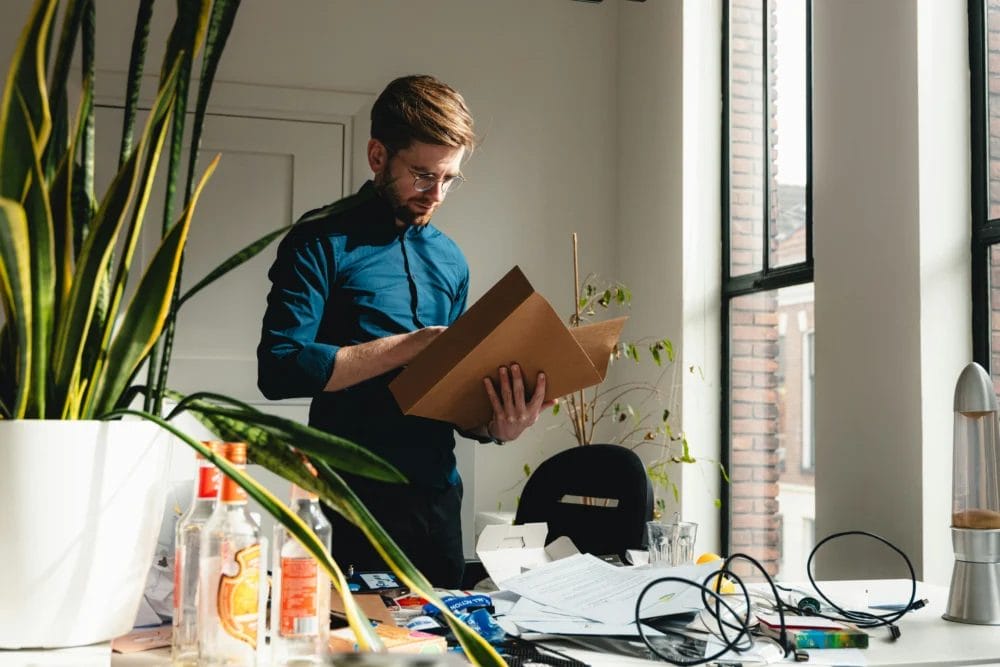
(421, 108)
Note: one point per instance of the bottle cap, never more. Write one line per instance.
(217, 447)
(236, 452)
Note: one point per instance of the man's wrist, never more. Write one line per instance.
(493, 438)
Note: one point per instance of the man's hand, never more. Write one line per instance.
(512, 412)
(357, 363)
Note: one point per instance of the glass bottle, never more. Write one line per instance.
(228, 612)
(300, 602)
(184, 645)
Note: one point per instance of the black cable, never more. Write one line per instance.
(864, 619)
(861, 619)
(743, 628)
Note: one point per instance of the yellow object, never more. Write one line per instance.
(237, 601)
(726, 587)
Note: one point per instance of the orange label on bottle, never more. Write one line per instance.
(238, 596)
(298, 597)
(232, 492)
(208, 482)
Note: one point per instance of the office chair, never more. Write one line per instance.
(554, 493)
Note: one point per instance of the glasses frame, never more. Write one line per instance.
(448, 184)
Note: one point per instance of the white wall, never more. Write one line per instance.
(945, 276)
(701, 262)
(668, 223)
(892, 280)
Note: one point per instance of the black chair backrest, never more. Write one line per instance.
(553, 491)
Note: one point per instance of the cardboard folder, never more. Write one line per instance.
(510, 323)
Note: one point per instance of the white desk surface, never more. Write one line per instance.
(926, 638)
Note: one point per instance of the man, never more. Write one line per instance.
(359, 288)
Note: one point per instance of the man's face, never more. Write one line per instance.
(398, 175)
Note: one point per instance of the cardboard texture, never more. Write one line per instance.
(510, 323)
(396, 640)
(371, 603)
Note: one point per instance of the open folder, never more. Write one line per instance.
(510, 323)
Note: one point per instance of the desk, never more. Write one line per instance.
(926, 638)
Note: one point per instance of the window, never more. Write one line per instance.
(767, 273)
(808, 400)
(984, 55)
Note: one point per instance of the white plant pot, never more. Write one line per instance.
(80, 507)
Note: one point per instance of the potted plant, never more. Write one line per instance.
(639, 414)
(81, 486)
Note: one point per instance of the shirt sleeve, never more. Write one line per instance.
(290, 361)
(461, 297)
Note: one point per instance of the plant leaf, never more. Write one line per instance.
(189, 26)
(20, 119)
(40, 239)
(136, 61)
(331, 449)
(146, 314)
(94, 259)
(58, 102)
(86, 147)
(220, 24)
(244, 255)
(15, 281)
(61, 199)
(339, 496)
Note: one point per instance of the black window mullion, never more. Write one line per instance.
(725, 349)
(766, 115)
(809, 136)
(984, 231)
(784, 276)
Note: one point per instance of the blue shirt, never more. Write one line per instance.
(344, 275)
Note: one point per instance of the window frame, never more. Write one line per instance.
(768, 278)
(808, 463)
(985, 232)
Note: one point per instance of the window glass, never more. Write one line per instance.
(769, 413)
(994, 308)
(993, 103)
(788, 86)
(747, 172)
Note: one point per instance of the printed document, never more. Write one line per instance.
(585, 586)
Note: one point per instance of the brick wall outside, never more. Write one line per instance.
(993, 74)
(754, 422)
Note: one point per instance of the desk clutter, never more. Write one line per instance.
(686, 614)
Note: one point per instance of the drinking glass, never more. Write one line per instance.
(671, 544)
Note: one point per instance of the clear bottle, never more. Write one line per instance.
(184, 646)
(300, 602)
(228, 612)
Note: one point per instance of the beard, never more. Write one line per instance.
(402, 209)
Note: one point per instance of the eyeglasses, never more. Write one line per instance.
(425, 182)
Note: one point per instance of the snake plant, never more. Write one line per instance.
(70, 346)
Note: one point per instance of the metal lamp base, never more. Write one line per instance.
(975, 580)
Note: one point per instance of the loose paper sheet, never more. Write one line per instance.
(586, 586)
